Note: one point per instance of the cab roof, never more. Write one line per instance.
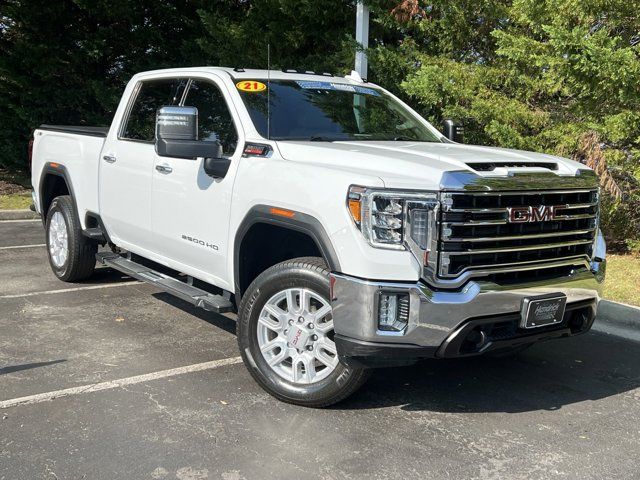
(259, 74)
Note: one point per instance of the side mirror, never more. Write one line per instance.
(216, 167)
(177, 135)
(454, 131)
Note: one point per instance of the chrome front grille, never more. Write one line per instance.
(476, 232)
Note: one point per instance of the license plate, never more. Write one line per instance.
(543, 310)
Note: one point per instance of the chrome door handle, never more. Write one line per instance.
(109, 158)
(164, 168)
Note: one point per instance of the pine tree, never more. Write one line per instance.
(67, 61)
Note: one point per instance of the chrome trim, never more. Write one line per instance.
(473, 223)
(600, 248)
(511, 191)
(577, 205)
(518, 237)
(503, 210)
(435, 314)
(483, 271)
(464, 180)
(517, 248)
(432, 205)
(448, 200)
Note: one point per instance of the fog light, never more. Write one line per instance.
(393, 311)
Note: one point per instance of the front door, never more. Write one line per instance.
(190, 209)
(126, 166)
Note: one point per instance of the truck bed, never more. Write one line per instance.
(75, 150)
(77, 129)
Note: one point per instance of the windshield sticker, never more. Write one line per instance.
(344, 87)
(251, 86)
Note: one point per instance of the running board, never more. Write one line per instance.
(196, 296)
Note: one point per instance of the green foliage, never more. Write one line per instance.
(560, 71)
(304, 34)
(68, 61)
(634, 247)
(557, 76)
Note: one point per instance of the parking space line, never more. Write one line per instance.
(65, 290)
(18, 221)
(14, 247)
(122, 382)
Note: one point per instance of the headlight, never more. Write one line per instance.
(395, 219)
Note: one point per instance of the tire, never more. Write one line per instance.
(310, 376)
(72, 256)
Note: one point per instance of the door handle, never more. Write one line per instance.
(109, 158)
(164, 168)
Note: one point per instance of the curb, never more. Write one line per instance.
(618, 319)
(18, 215)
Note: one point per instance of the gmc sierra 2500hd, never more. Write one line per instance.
(345, 231)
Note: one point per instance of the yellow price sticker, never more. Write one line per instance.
(251, 86)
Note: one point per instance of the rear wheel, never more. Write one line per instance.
(72, 256)
(285, 334)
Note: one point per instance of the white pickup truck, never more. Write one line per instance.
(344, 230)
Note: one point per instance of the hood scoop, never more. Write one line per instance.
(491, 166)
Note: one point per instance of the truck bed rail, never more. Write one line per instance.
(77, 129)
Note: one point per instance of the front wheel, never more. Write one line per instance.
(286, 336)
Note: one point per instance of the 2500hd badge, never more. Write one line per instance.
(199, 242)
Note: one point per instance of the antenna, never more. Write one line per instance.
(268, 91)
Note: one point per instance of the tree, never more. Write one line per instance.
(559, 76)
(68, 61)
(303, 34)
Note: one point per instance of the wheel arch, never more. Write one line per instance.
(270, 219)
(54, 181)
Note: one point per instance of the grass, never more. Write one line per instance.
(623, 279)
(16, 201)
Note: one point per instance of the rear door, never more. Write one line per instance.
(127, 165)
(190, 209)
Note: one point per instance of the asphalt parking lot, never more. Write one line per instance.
(113, 379)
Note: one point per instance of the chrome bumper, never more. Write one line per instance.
(435, 315)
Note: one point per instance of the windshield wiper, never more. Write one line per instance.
(400, 138)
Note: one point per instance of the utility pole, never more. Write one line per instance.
(362, 37)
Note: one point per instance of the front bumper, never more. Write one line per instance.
(441, 322)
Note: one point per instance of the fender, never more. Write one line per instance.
(299, 222)
(59, 170)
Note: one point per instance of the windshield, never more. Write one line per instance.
(326, 111)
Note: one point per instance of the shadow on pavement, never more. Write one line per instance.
(215, 319)
(547, 377)
(107, 275)
(27, 366)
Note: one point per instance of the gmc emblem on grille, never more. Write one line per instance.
(542, 213)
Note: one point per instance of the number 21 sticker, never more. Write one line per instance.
(250, 86)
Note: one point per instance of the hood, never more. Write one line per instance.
(421, 165)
